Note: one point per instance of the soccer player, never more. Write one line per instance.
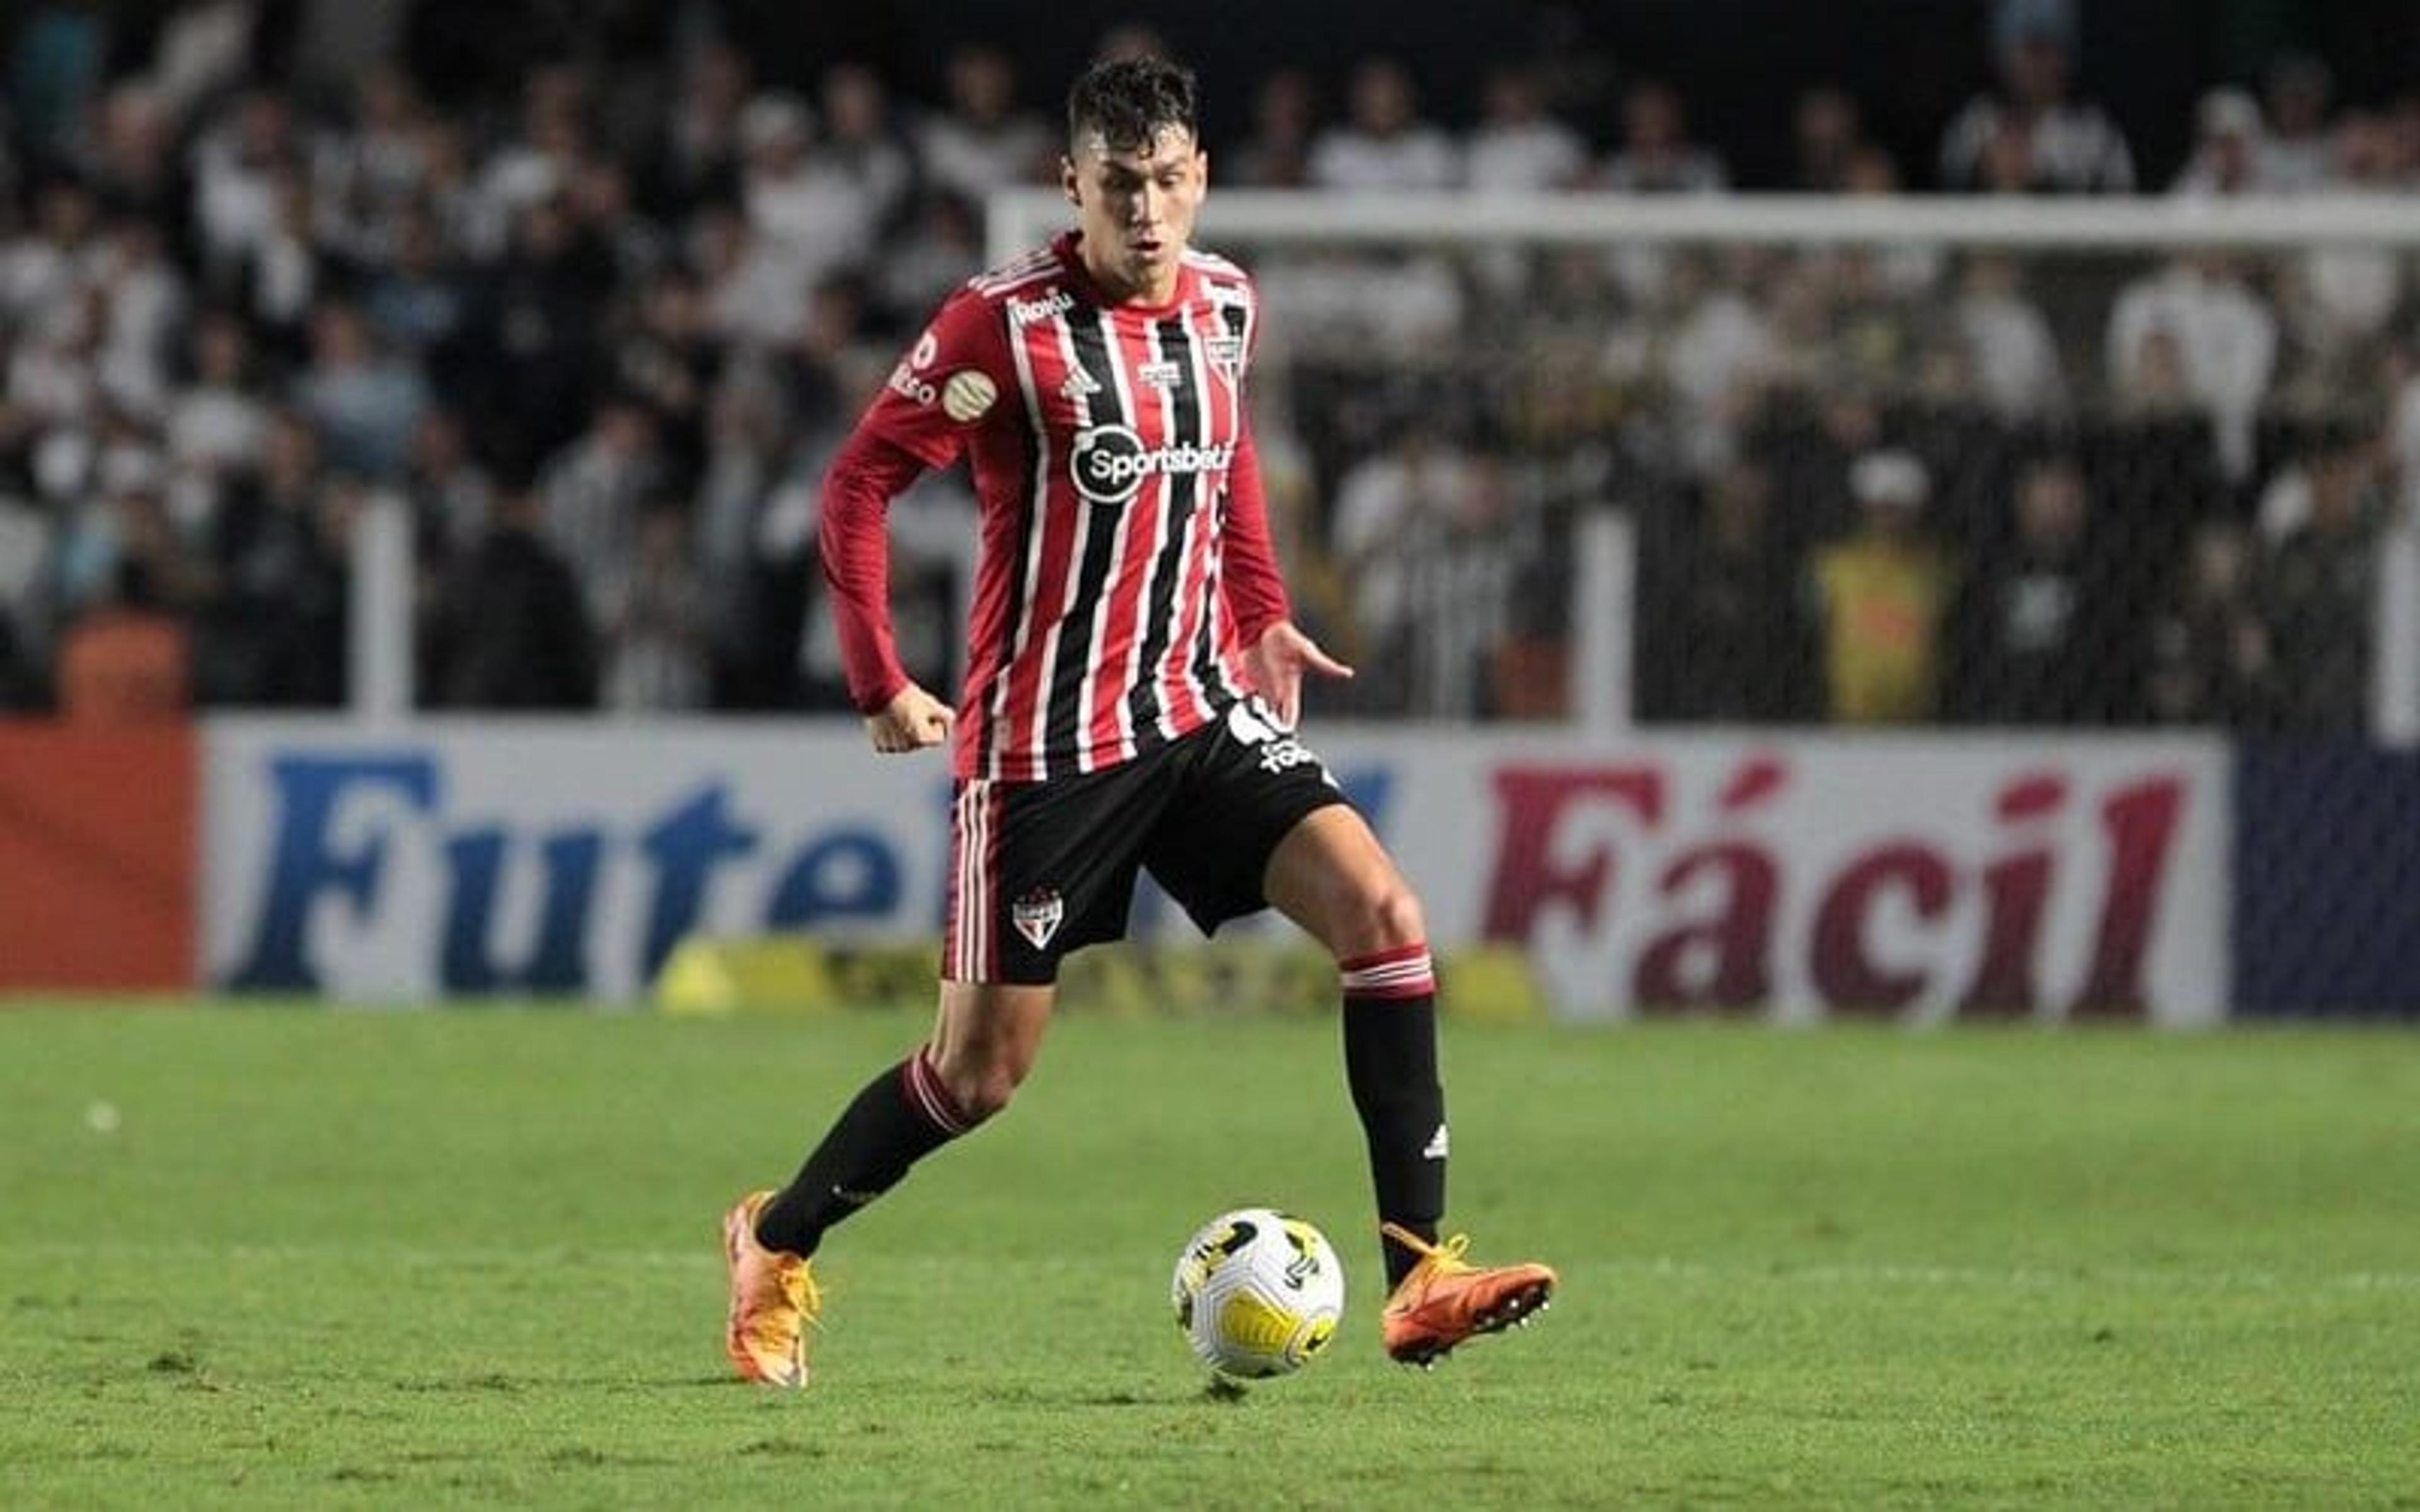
(1132, 682)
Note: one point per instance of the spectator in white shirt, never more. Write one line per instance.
(986, 140)
(2008, 341)
(1657, 155)
(555, 141)
(1385, 144)
(54, 261)
(237, 163)
(2339, 300)
(2297, 156)
(367, 174)
(217, 420)
(811, 215)
(204, 47)
(2227, 157)
(2223, 336)
(2067, 146)
(593, 490)
(1518, 146)
(654, 624)
(144, 300)
(1422, 533)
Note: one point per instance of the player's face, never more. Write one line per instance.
(1136, 209)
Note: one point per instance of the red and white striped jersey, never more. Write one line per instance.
(1124, 557)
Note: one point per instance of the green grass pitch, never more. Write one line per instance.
(298, 1257)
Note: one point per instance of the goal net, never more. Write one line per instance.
(1607, 460)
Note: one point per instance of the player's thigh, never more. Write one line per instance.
(1331, 876)
(1243, 786)
(1038, 870)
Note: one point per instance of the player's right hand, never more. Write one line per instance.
(913, 721)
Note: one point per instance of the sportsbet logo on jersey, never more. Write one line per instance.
(1109, 462)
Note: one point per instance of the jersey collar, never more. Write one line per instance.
(1063, 245)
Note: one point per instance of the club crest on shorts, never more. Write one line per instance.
(1038, 915)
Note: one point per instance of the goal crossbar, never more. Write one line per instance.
(1018, 219)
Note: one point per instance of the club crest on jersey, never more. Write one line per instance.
(1109, 462)
(1038, 915)
(1226, 354)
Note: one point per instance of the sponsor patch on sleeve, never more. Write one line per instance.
(967, 395)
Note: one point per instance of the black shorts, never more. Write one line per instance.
(1038, 870)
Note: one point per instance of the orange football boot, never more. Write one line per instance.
(774, 1302)
(1446, 1300)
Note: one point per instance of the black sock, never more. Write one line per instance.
(1391, 1064)
(901, 1117)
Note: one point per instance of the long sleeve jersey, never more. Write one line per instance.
(1124, 562)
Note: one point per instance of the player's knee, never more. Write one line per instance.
(980, 1090)
(1387, 917)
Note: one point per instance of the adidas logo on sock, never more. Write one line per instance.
(1437, 1146)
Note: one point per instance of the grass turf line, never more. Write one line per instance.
(258, 1257)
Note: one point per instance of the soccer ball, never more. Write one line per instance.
(1258, 1293)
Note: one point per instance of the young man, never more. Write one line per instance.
(1132, 681)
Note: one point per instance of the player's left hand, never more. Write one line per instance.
(1275, 663)
(913, 721)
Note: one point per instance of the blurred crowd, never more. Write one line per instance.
(596, 333)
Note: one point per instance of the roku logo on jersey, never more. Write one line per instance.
(1109, 462)
(1022, 313)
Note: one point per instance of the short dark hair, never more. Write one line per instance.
(1130, 101)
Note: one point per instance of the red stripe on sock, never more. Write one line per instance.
(1402, 972)
(1385, 957)
(931, 1095)
(1425, 987)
